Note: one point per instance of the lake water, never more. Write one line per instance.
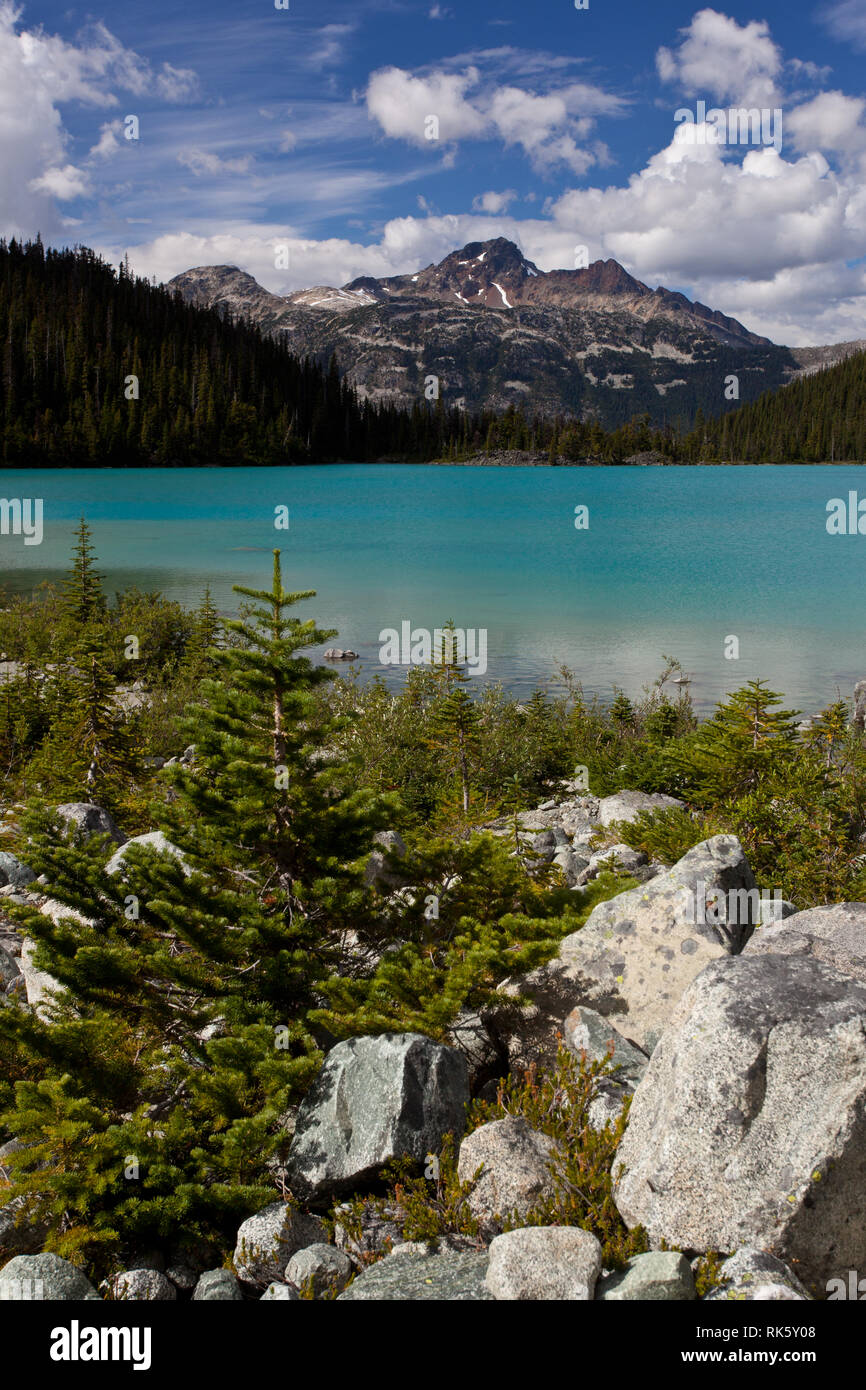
(674, 560)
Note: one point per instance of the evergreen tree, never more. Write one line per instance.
(83, 597)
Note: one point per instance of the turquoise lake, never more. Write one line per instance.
(674, 560)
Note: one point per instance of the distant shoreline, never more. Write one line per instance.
(511, 458)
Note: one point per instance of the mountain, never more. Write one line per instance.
(497, 331)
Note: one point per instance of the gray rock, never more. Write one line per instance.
(470, 1035)
(835, 935)
(637, 953)
(572, 865)
(376, 1230)
(323, 1267)
(859, 704)
(446, 1278)
(155, 840)
(139, 1285)
(41, 986)
(9, 970)
(544, 1262)
(20, 1232)
(376, 1098)
(14, 874)
(379, 872)
(45, 1278)
(755, 1276)
(267, 1241)
(516, 1171)
(87, 819)
(286, 1292)
(217, 1286)
(749, 1127)
(662, 1276)
(587, 1031)
(627, 805)
(619, 857)
(183, 1277)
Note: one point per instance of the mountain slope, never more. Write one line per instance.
(497, 331)
(820, 418)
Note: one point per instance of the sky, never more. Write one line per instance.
(321, 141)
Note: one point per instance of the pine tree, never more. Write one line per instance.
(83, 597)
(241, 932)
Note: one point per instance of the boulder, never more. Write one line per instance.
(378, 872)
(445, 1278)
(20, 1232)
(85, 818)
(559, 1263)
(9, 970)
(620, 858)
(627, 805)
(287, 1292)
(663, 1276)
(154, 839)
(585, 1031)
(140, 1285)
(515, 1175)
(45, 1278)
(835, 935)
(217, 1286)
(41, 986)
(638, 952)
(375, 1099)
(267, 1241)
(322, 1267)
(749, 1126)
(860, 704)
(14, 874)
(754, 1276)
(374, 1229)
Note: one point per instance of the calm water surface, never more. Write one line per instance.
(674, 561)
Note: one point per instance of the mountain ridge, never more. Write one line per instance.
(494, 330)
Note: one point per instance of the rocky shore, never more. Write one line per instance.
(737, 1037)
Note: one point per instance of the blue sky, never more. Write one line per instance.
(308, 128)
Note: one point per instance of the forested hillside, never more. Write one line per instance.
(817, 419)
(206, 390)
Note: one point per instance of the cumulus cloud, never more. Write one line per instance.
(830, 121)
(494, 202)
(720, 58)
(552, 128)
(63, 184)
(39, 73)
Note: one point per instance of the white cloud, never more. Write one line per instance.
(201, 162)
(39, 73)
(830, 121)
(847, 21)
(551, 128)
(721, 58)
(493, 202)
(63, 184)
(108, 143)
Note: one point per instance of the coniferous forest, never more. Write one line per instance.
(104, 369)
